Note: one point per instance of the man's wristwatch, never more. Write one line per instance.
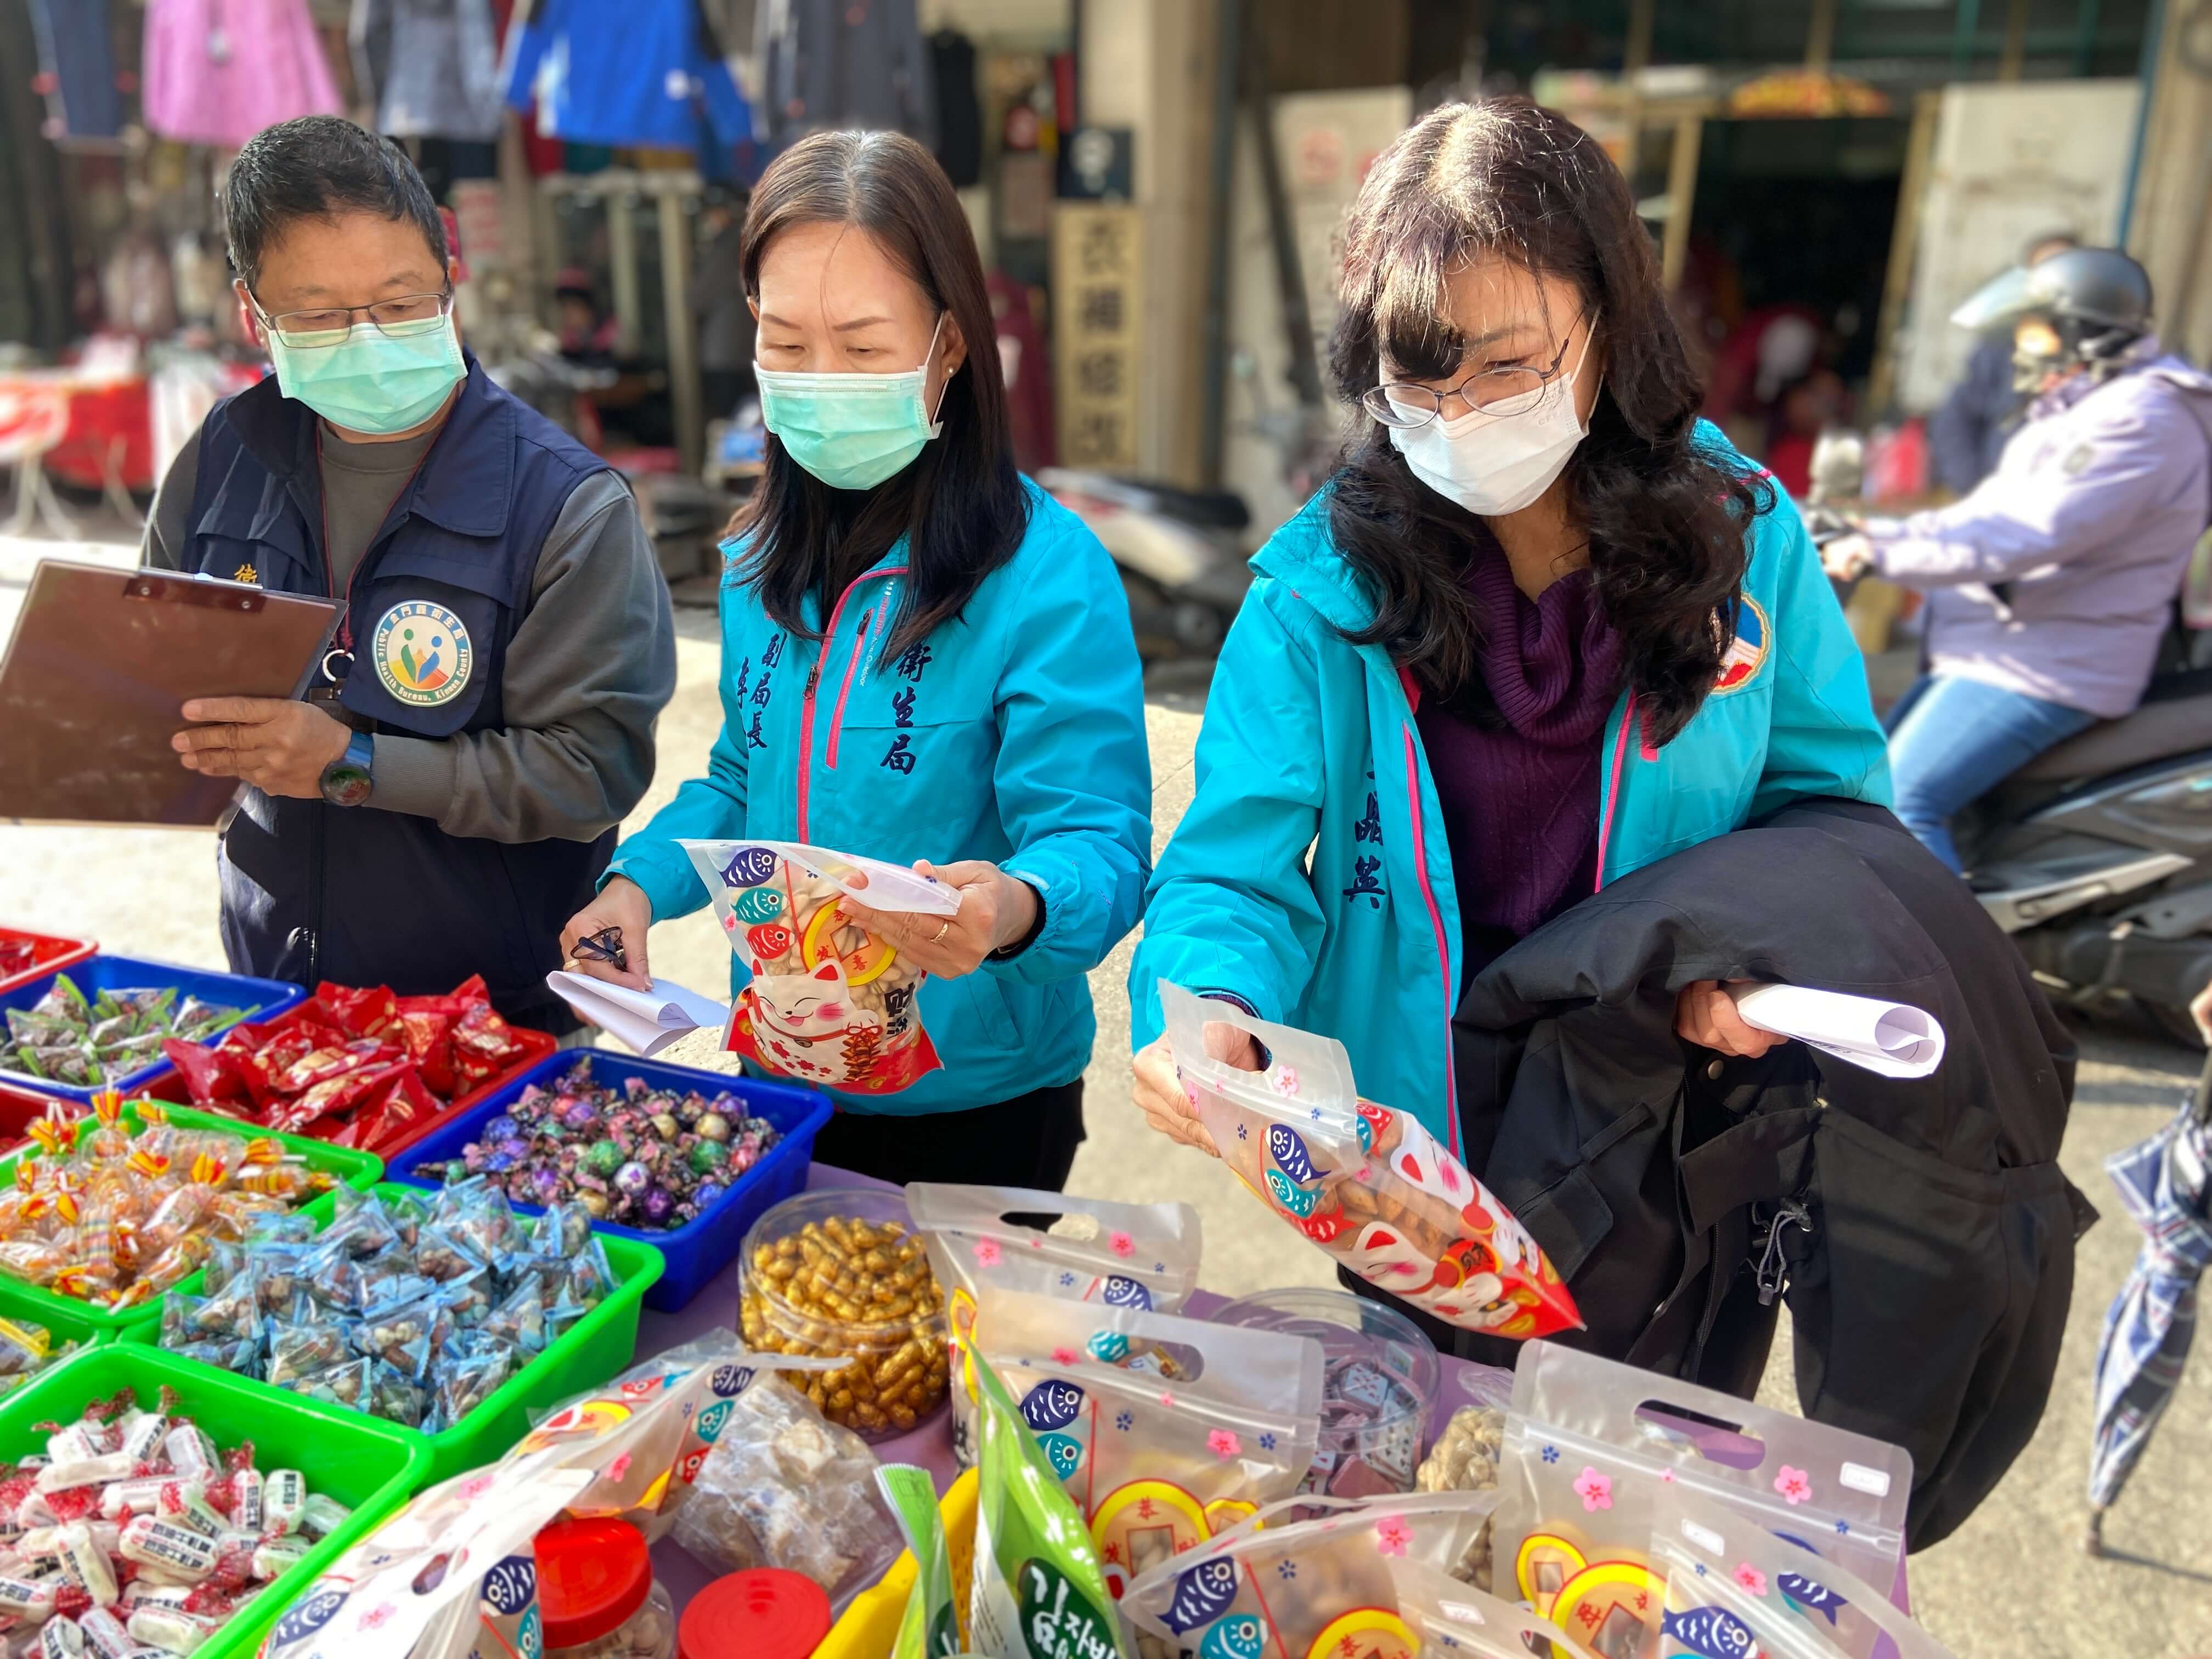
(347, 780)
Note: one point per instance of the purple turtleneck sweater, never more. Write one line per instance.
(1521, 802)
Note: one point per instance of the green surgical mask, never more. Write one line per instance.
(852, 431)
(372, 381)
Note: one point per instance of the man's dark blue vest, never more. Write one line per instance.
(353, 894)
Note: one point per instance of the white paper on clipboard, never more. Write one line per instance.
(98, 667)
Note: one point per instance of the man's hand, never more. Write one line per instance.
(1847, 558)
(620, 904)
(279, 746)
(995, 910)
(1705, 1014)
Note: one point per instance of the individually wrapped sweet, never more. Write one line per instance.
(440, 1257)
(345, 1383)
(360, 1223)
(296, 1350)
(395, 1396)
(519, 1320)
(1369, 1185)
(463, 1380)
(476, 1216)
(392, 1281)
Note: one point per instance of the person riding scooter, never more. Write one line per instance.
(2052, 583)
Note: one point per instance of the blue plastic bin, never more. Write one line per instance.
(256, 998)
(699, 1250)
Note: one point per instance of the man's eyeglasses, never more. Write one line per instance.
(1403, 404)
(310, 330)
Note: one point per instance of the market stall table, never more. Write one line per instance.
(930, 1446)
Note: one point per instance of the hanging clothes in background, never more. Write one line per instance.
(431, 67)
(959, 111)
(77, 69)
(217, 72)
(647, 72)
(827, 64)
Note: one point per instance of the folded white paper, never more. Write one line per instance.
(1893, 1038)
(645, 1021)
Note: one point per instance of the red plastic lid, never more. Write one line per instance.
(762, 1613)
(592, 1576)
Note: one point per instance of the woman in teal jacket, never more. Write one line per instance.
(1542, 628)
(925, 660)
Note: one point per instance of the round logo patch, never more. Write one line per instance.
(422, 654)
(1746, 653)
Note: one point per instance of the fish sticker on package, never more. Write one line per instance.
(828, 1003)
(1368, 1184)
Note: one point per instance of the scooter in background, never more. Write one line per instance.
(1179, 551)
(2096, 856)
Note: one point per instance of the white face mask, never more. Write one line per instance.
(1493, 465)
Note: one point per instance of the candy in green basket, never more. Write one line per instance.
(1040, 1592)
(930, 1629)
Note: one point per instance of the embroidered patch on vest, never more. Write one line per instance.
(246, 573)
(422, 652)
(1746, 653)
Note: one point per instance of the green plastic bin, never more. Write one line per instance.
(368, 1466)
(359, 1171)
(598, 1346)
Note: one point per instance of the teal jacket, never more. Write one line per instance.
(1015, 733)
(1309, 743)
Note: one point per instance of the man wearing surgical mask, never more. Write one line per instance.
(446, 793)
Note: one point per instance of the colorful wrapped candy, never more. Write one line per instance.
(117, 1218)
(134, 1534)
(414, 1312)
(644, 1157)
(65, 1037)
(356, 1068)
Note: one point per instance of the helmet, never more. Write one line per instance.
(2096, 300)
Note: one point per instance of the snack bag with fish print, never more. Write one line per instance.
(1164, 1431)
(1369, 1186)
(1080, 1250)
(1289, 1588)
(1592, 1445)
(1452, 1620)
(1035, 1590)
(1735, 1588)
(830, 1004)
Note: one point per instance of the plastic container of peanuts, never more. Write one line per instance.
(839, 1272)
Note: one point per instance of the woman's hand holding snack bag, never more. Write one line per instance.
(996, 910)
(1160, 1095)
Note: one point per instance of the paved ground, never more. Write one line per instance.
(2011, 1585)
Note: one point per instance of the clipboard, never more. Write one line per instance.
(98, 664)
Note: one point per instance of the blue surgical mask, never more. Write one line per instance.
(852, 431)
(372, 381)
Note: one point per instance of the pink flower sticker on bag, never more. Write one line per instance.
(1595, 1490)
(1795, 1484)
(1121, 1245)
(1751, 1578)
(1222, 1442)
(986, 1252)
(1285, 1080)
(1392, 1534)
(1065, 1357)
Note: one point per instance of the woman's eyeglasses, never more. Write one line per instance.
(1495, 392)
(311, 331)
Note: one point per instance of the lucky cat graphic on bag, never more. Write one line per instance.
(830, 1003)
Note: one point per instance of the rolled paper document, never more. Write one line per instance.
(1893, 1038)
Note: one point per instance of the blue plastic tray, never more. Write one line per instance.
(696, 1252)
(256, 998)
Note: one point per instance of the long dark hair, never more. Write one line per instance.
(961, 504)
(1666, 521)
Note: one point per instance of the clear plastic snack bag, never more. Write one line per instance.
(1444, 1617)
(1037, 1590)
(783, 1486)
(830, 1004)
(1125, 1255)
(1591, 1445)
(1275, 1585)
(1164, 1431)
(1734, 1587)
(1369, 1186)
